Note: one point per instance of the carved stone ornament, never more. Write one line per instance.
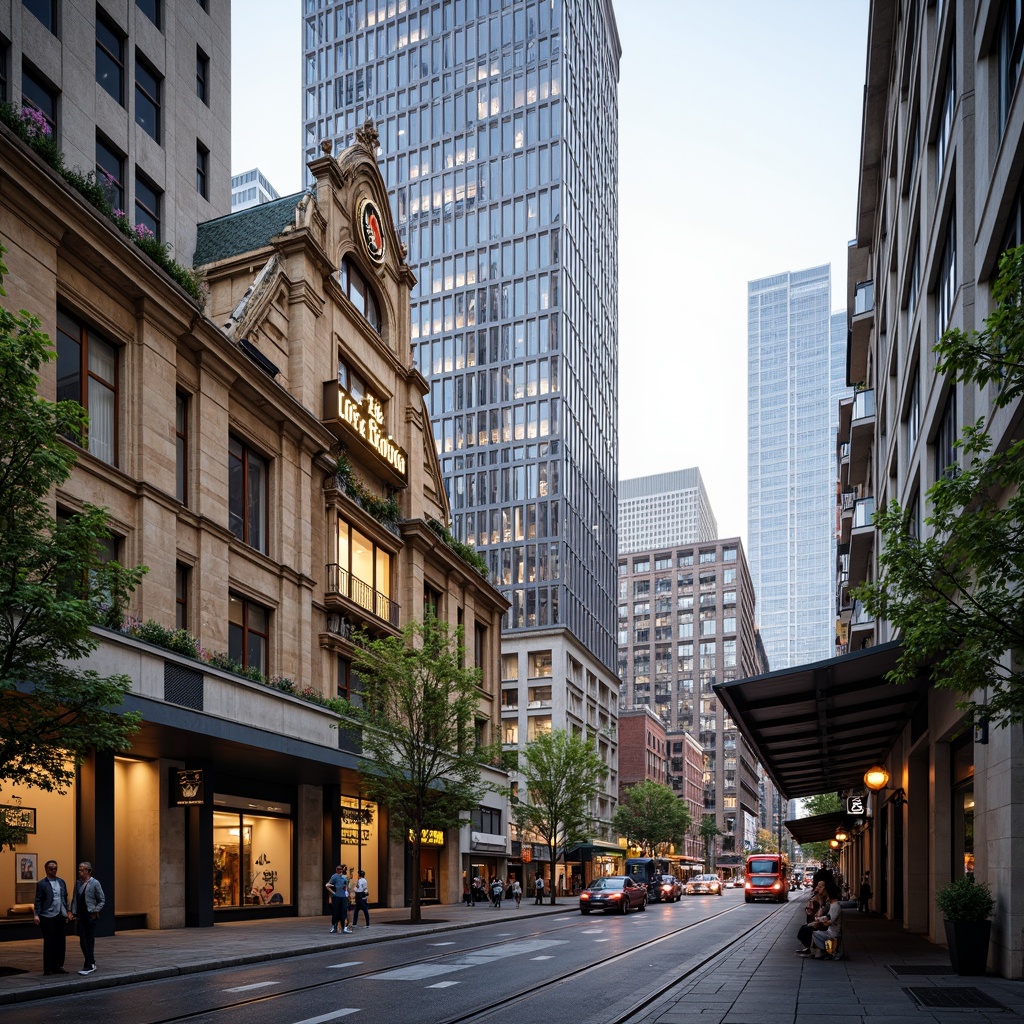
(326, 146)
(368, 136)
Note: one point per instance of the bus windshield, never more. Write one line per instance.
(763, 867)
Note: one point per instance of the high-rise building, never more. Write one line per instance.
(796, 362)
(499, 145)
(664, 510)
(138, 92)
(686, 621)
(250, 188)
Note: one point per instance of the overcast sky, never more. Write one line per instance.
(739, 136)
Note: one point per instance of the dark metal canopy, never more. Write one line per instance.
(819, 828)
(818, 728)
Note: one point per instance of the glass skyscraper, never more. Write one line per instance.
(796, 359)
(498, 139)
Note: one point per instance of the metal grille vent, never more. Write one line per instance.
(954, 998)
(183, 686)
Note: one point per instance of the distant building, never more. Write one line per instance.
(141, 95)
(796, 366)
(643, 750)
(250, 188)
(664, 510)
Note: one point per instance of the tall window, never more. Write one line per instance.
(431, 601)
(147, 203)
(202, 169)
(1010, 51)
(247, 495)
(147, 97)
(109, 58)
(946, 290)
(945, 134)
(181, 446)
(182, 581)
(202, 76)
(45, 11)
(87, 374)
(151, 9)
(358, 290)
(110, 167)
(369, 570)
(37, 94)
(248, 633)
(945, 440)
(913, 412)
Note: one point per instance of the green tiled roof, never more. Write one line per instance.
(244, 231)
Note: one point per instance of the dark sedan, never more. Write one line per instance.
(617, 893)
(666, 888)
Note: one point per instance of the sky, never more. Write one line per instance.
(739, 141)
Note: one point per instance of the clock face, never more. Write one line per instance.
(372, 227)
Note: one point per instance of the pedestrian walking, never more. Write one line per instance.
(497, 888)
(89, 901)
(865, 893)
(337, 886)
(362, 899)
(50, 911)
(538, 887)
(517, 892)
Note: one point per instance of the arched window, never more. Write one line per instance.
(358, 289)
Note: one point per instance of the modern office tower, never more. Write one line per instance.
(796, 354)
(686, 621)
(499, 144)
(250, 188)
(664, 510)
(939, 201)
(139, 92)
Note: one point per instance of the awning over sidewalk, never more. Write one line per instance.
(818, 828)
(818, 728)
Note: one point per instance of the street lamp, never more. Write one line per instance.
(841, 835)
(876, 778)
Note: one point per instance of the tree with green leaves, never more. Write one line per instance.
(953, 595)
(651, 817)
(708, 830)
(54, 586)
(415, 706)
(823, 803)
(766, 841)
(562, 774)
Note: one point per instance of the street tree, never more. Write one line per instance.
(708, 830)
(415, 706)
(561, 773)
(766, 841)
(952, 590)
(651, 817)
(823, 803)
(54, 585)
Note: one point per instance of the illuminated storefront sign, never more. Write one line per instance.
(363, 419)
(428, 837)
(186, 787)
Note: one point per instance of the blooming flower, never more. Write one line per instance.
(35, 123)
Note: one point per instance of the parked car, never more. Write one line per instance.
(703, 885)
(666, 889)
(616, 892)
(737, 882)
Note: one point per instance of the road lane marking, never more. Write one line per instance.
(602, 940)
(445, 984)
(463, 961)
(542, 958)
(441, 943)
(249, 988)
(329, 1016)
(350, 963)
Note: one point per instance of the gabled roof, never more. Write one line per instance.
(245, 230)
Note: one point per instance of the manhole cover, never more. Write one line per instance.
(955, 998)
(899, 969)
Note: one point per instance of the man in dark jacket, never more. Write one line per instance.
(51, 911)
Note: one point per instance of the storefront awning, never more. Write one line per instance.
(817, 728)
(818, 828)
(598, 846)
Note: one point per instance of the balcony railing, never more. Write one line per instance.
(340, 581)
(863, 297)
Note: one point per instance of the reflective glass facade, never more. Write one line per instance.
(796, 352)
(499, 143)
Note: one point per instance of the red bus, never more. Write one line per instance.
(767, 877)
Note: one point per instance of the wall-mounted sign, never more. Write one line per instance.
(371, 227)
(21, 818)
(856, 805)
(363, 419)
(186, 787)
(429, 837)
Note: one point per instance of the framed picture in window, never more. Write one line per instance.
(20, 817)
(27, 867)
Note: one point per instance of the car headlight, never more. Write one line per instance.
(584, 895)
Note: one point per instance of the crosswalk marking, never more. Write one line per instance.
(466, 960)
(444, 984)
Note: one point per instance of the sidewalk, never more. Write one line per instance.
(143, 954)
(888, 976)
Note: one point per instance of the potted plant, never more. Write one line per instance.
(966, 907)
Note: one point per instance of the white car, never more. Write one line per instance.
(704, 884)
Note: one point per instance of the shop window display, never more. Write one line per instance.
(251, 859)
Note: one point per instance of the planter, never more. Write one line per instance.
(968, 945)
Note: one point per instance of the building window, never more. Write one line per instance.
(945, 440)
(182, 584)
(247, 495)
(359, 292)
(38, 95)
(540, 664)
(1010, 50)
(248, 633)
(486, 819)
(181, 446)
(45, 11)
(151, 9)
(915, 277)
(946, 291)
(944, 137)
(109, 58)
(913, 412)
(479, 648)
(368, 568)
(344, 679)
(5, 56)
(431, 601)
(87, 374)
(202, 76)
(202, 169)
(110, 168)
(147, 97)
(147, 203)
(706, 557)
